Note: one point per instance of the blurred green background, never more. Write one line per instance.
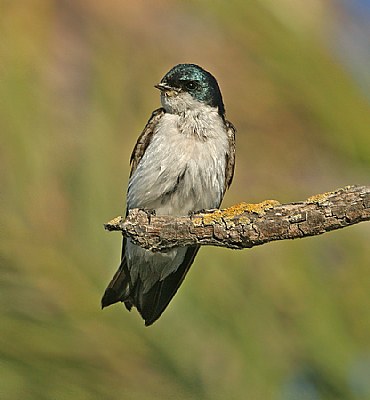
(288, 320)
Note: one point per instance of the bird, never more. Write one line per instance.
(183, 162)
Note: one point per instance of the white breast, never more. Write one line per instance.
(183, 168)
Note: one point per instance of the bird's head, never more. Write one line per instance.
(188, 86)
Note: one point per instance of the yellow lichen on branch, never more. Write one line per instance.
(246, 225)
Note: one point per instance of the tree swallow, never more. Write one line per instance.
(182, 162)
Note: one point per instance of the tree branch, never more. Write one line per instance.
(247, 225)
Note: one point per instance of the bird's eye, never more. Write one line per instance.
(190, 85)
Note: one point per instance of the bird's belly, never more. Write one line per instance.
(179, 174)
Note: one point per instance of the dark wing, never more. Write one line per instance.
(120, 286)
(145, 138)
(230, 156)
(152, 303)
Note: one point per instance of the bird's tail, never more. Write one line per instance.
(150, 303)
(118, 288)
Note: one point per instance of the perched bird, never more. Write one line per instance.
(182, 162)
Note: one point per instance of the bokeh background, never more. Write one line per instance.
(285, 321)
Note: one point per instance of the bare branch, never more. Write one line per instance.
(247, 225)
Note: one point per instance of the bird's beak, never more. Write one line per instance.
(163, 87)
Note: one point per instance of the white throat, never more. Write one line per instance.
(179, 102)
(194, 117)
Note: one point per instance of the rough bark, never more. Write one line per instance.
(247, 225)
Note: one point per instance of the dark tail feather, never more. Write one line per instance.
(156, 300)
(118, 288)
(152, 303)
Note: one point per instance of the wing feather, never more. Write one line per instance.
(230, 156)
(120, 287)
(145, 139)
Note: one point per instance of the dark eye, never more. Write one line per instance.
(190, 85)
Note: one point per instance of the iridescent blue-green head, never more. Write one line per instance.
(192, 80)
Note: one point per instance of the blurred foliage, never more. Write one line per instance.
(288, 320)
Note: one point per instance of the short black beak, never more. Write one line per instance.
(163, 87)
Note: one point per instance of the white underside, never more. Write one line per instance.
(191, 146)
